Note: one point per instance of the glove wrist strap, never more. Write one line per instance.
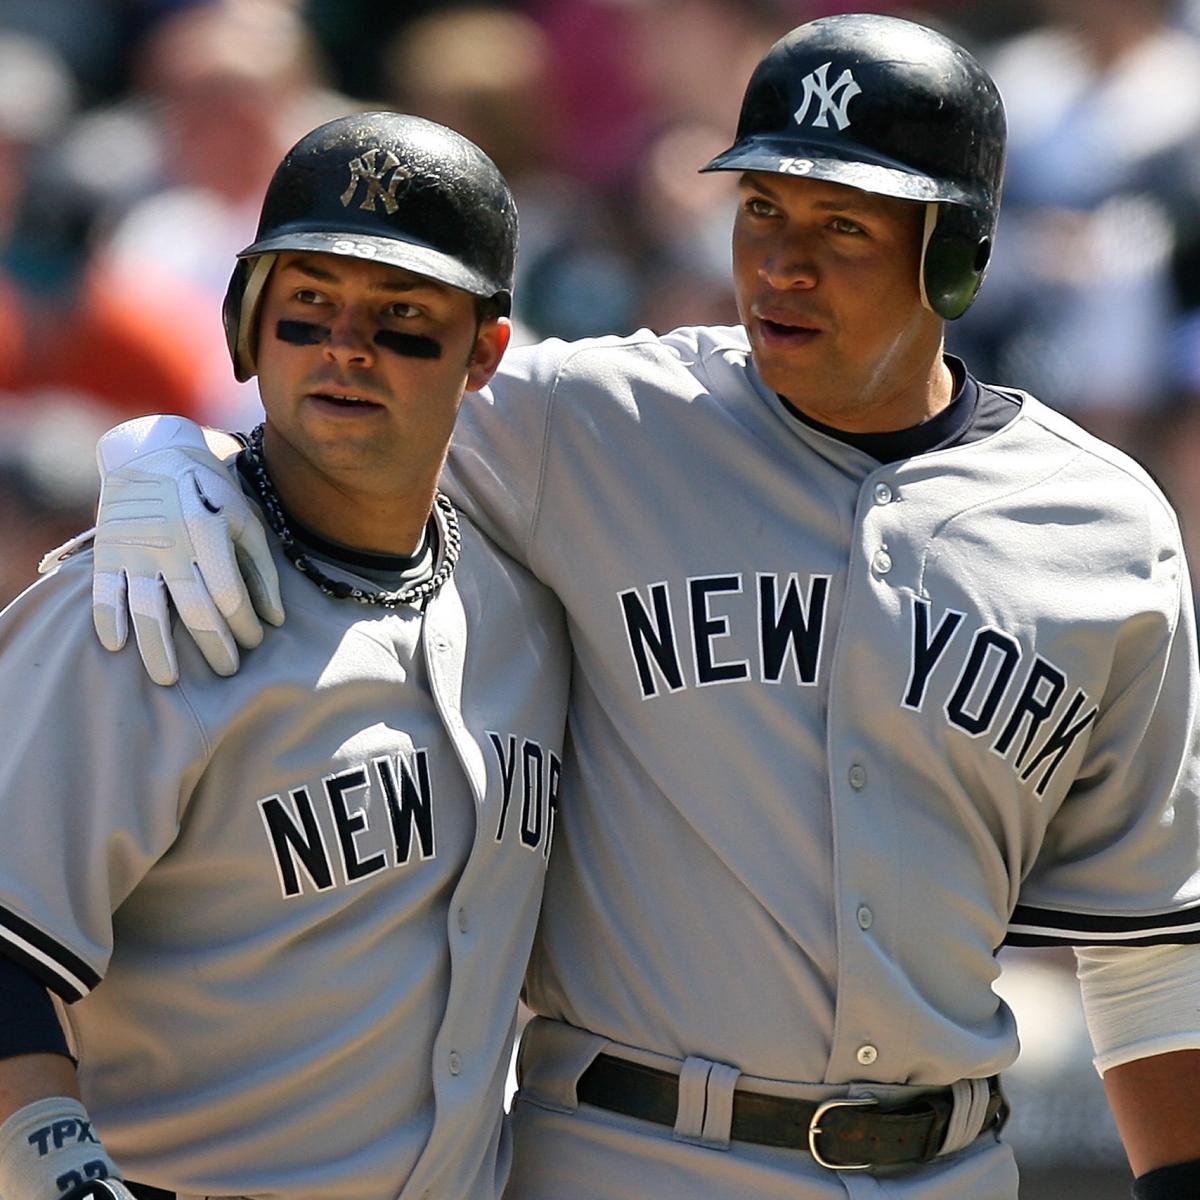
(143, 435)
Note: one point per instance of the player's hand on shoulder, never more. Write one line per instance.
(173, 526)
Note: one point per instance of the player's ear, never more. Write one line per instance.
(491, 341)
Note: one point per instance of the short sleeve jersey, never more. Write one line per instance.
(289, 912)
(837, 726)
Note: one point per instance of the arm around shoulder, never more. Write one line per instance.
(497, 455)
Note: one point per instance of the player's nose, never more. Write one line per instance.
(351, 339)
(784, 272)
(789, 260)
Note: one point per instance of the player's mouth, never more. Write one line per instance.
(347, 402)
(786, 335)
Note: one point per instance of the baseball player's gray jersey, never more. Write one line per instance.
(837, 730)
(292, 909)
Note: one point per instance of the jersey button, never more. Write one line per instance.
(882, 562)
(455, 1062)
(857, 775)
(440, 644)
(867, 1055)
(866, 918)
(883, 493)
(462, 920)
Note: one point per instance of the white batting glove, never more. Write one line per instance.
(173, 523)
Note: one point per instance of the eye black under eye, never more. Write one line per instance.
(408, 345)
(301, 333)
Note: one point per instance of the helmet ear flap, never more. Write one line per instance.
(957, 252)
(231, 315)
(240, 310)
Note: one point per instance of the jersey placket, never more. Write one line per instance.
(867, 846)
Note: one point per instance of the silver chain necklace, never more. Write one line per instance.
(417, 593)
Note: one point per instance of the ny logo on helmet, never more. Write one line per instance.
(372, 168)
(816, 87)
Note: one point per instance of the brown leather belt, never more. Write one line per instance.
(843, 1134)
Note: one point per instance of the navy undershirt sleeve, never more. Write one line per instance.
(28, 1022)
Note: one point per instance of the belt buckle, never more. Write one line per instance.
(814, 1131)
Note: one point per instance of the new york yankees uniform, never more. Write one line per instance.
(834, 740)
(288, 913)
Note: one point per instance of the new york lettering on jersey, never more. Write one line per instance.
(396, 792)
(1000, 686)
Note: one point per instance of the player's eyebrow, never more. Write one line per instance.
(852, 203)
(845, 206)
(399, 284)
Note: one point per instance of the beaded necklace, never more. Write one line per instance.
(417, 593)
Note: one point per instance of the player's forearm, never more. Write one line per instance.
(1156, 1104)
(30, 1077)
(34, 1060)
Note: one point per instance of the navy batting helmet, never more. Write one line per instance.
(386, 187)
(890, 107)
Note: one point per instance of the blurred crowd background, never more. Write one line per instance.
(137, 136)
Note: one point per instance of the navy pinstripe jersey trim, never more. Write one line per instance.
(64, 973)
(1030, 926)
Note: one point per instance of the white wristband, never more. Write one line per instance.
(143, 435)
(49, 1148)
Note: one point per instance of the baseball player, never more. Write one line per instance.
(876, 669)
(286, 917)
